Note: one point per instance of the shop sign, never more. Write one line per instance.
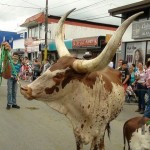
(141, 29)
(32, 49)
(32, 45)
(85, 42)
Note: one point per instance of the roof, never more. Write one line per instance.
(34, 20)
(40, 18)
(134, 7)
(83, 22)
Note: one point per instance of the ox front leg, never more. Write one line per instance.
(98, 142)
(79, 143)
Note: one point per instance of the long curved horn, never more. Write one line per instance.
(103, 59)
(59, 37)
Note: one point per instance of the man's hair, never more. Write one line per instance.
(15, 53)
(87, 55)
(26, 57)
(124, 62)
(133, 65)
(148, 63)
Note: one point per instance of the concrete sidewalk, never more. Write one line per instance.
(37, 127)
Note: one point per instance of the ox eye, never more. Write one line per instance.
(59, 75)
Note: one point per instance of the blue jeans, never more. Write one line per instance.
(11, 91)
(147, 110)
(141, 90)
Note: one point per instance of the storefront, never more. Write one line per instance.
(91, 44)
(136, 41)
(94, 45)
(78, 47)
(52, 51)
(139, 51)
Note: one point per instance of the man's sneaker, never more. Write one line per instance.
(142, 111)
(16, 106)
(138, 110)
(8, 107)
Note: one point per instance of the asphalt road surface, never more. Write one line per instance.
(38, 127)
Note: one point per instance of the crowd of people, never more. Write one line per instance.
(136, 82)
(32, 70)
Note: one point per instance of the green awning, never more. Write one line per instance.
(52, 46)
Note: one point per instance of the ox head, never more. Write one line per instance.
(52, 84)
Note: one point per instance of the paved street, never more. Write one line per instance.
(37, 127)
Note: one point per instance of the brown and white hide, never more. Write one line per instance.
(136, 131)
(87, 92)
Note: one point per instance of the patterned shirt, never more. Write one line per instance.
(17, 68)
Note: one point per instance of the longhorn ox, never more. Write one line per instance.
(87, 92)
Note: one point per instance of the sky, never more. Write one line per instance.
(14, 12)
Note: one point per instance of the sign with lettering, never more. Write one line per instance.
(141, 29)
(135, 52)
(85, 42)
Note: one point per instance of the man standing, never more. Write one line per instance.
(12, 83)
(125, 74)
(46, 65)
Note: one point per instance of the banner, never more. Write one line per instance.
(135, 52)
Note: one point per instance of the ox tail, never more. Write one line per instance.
(108, 130)
(124, 137)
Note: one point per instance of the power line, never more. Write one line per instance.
(30, 3)
(93, 5)
(98, 17)
(91, 17)
(64, 4)
(89, 6)
(19, 6)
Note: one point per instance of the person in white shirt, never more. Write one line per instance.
(111, 64)
(141, 87)
(46, 65)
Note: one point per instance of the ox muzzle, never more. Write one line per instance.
(27, 92)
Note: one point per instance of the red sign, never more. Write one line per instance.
(85, 42)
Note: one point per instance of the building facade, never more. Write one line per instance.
(135, 45)
(75, 30)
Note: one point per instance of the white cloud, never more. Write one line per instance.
(11, 16)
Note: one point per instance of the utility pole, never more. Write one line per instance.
(46, 30)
